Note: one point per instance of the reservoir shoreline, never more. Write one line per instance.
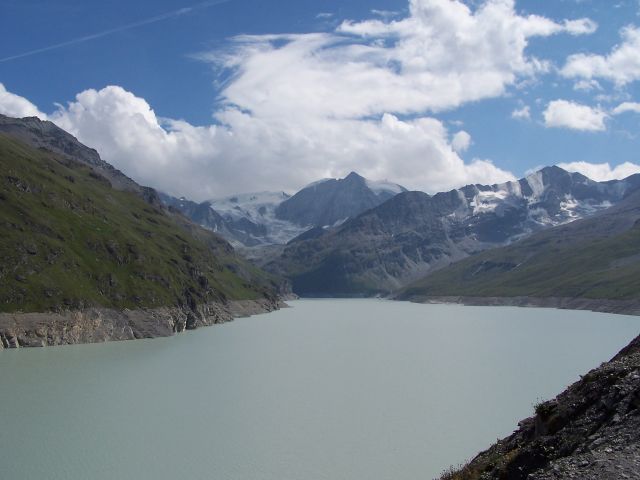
(620, 307)
(97, 325)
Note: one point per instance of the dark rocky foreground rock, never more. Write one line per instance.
(589, 431)
(95, 325)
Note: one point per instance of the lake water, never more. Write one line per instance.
(328, 389)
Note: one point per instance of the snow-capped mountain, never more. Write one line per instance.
(275, 218)
(413, 233)
(332, 201)
(255, 215)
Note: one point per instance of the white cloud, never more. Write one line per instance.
(14, 105)
(582, 26)
(461, 141)
(324, 15)
(523, 113)
(626, 107)
(602, 172)
(248, 154)
(587, 85)
(621, 65)
(565, 114)
(385, 13)
(442, 55)
(301, 107)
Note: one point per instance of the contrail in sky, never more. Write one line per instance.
(140, 23)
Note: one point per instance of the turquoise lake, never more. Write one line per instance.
(326, 389)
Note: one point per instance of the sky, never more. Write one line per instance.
(212, 98)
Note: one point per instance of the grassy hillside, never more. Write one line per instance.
(598, 257)
(69, 240)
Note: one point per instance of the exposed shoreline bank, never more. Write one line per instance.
(620, 307)
(96, 325)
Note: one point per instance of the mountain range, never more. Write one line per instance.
(275, 218)
(71, 215)
(414, 234)
(597, 257)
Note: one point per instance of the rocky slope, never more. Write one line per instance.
(72, 240)
(414, 234)
(94, 325)
(590, 431)
(596, 259)
(263, 219)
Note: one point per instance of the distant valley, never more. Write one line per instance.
(355, 237)
(70, 215)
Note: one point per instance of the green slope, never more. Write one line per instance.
(597, 258)
(69, 240)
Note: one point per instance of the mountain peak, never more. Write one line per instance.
(353, 176)
(333, 201)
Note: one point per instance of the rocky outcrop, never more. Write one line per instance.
(95, 325)
(622, 307)
(590, 431)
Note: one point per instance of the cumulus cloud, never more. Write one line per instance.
(244, 154)
(626, 107)
(602, 172)
(523, 113)
(14, 105)
(565, 114)
(621, 65)
(461, 141)
(295, 108)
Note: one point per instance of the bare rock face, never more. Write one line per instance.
(96, 325)
(589, 431)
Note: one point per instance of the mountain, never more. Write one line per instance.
(78, 234)
(332, 201)
(274, 218)
(237, 229)
(47, 136)
(589, 431)
(413, 234)
(594, 258)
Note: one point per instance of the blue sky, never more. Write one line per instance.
(197, 110)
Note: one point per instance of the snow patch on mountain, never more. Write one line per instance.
(259, 208)
(536, 182)
(488, 201)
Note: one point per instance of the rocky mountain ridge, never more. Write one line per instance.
(597, 257)
(274, 218)
(414, 234)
